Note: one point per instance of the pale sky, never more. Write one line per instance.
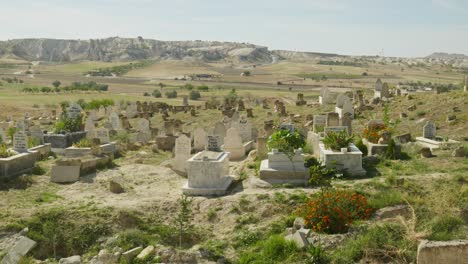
(356, 27)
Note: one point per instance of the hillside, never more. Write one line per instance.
(127, 49)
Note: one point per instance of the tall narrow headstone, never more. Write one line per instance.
(199, 139)
(182, 152)
(20, 142)
(429, 130)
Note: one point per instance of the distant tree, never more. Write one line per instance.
(246, 73)
(194, 95)
(161, 85)
(156, 93)
(171, 94)
(56, 84)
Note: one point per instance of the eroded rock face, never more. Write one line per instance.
(454, 252)
(115, 49)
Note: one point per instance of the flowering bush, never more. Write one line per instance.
(337, 140)
(373, 134)
(335, 211)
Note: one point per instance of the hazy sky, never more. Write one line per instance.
(360, 27)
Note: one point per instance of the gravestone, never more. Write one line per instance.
(262, 149)
(185, 101)
(333, 119)
(21, 125)
(115, 121)
(213, 143)
(74, 111)
(20, 142)
(220, 131)
(182, 152)
(300, 99)
(199, 139)
(132, 111)
(37, 133)
(143, 125)
(3, 135)
(320, 121)
(102, 134)
(347, 121)
(429, 130)
(89, 125)
(245, 129)
(233, 144)
(101, 112)
(249, 113)
(240, 105)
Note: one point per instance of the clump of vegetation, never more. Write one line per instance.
(194, 95)
(373, 134)
(12, 80)
(334, 211)
(342, 63)
(156, 94)
(58, 234)
(203, 88)
(4, 152)
(118, 70)
(337, 140)
(67, 124)
(33, 142)
(83, 143)
(96, 104)
(75, 86)
(286, 141)
(382, 243)
(362, 147)
(171, 94)
(275, 249)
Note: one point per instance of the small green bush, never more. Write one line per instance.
(286, 141)
(337, 140)
(382, 243)
(276, 249)
(156, 93)
(194, 95)
(171, 94)
(362, 147)
(83, 143)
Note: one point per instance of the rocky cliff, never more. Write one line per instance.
(122, 49)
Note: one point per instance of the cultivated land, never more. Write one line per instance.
(247, 225)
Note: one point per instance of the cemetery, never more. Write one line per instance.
(313, 173)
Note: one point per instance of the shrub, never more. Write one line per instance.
(275, 249)
(362, 147)
(96, 104)
(335, 211)
(337, 140)
(373, 134)
(194, 95)
(385, 243)
(171, 94)
(286, 141)
(67, 124)
(320, 176)
(32, 142)
(4, 152)
(83, 143)
(156, 93)
(203, 88)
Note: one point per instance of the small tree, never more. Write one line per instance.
(184, 217)
(56, 84)
(246, 73)
(171, 94)
(194, 95)
(156, 93)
